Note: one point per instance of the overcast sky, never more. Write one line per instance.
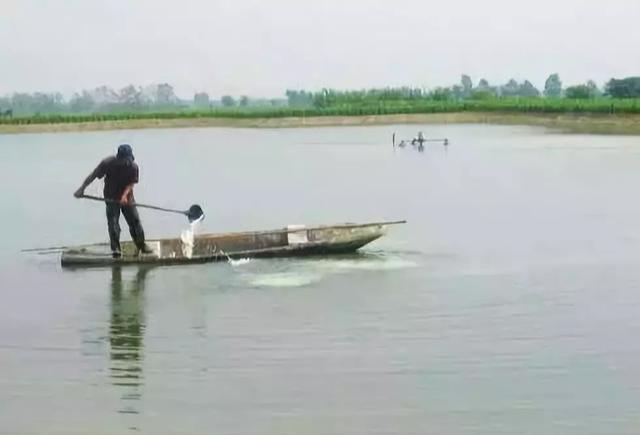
(262, 47)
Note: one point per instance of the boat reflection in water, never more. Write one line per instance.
(126, 337)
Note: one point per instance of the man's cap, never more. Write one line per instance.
(125, 152)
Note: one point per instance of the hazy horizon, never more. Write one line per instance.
(263, 48)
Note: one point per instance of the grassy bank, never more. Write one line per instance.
(494, 105)
(568, 123)
(601, 115)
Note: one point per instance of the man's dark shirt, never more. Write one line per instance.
(118, 174)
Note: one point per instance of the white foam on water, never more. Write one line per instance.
(285, 279)
(238, 262)
(234, 263)
(308, 272)
(188, 239)
(381, 264)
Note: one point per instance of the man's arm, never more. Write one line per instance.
(92, 176)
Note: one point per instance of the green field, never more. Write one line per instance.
(497, 105)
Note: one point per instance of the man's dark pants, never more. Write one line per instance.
(133, 220)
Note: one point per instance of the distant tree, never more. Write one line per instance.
(624, 88)
(514, 89)
(5, 104)
(165, 95)
(457, 91)
(228, 101)
(483, 85)
(510, 89)
(484, 90)
(578, 92)
(321, 99)
(82, 102)
(201, 99)
(302, 98)
(467, 85)
(130, 96)
(36, 103)
(482, 94)
(40, 102)
(528, 90)
(593, 87)
(22, 103)
(104, 96)
(553, 86)
(244, 101)
(585, 91)
(441, 94)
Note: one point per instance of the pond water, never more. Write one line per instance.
(507, 304)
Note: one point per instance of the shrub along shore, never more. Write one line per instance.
(600, 115)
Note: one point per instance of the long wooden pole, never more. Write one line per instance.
(137, 204)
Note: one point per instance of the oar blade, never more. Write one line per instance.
(195, 213)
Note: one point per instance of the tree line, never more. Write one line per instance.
(161, 98)
(466, 90)
(101, 99)
(154, 98)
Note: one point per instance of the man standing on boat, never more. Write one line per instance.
(120, 173)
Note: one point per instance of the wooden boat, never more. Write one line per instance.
(294, 240)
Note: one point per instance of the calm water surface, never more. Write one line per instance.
(508, 304)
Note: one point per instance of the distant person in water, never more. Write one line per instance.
(120, 173)
(419, 140)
